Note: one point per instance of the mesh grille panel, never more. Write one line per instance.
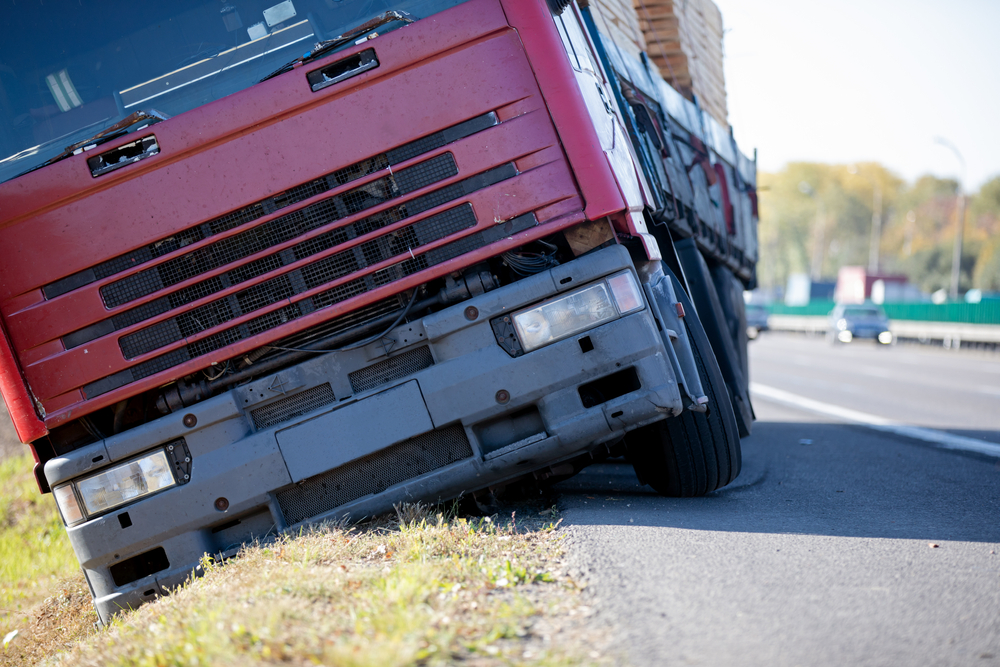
(278, 230)
(312, 275)
(292, 406)
(391, 369)
(374, 473)
(370, 253)
(295, 310)
(343, 323)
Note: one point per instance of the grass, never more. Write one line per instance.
(36, 559)
(423, 588)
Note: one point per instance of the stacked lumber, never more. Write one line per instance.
(684, 40)
(617, 19)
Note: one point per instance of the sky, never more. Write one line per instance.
(857, 81)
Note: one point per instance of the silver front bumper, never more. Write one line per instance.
(304, 445)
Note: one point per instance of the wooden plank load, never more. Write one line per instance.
(684, 39)
(617, 19)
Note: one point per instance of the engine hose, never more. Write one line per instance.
(318, 347)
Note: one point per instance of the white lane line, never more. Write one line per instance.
(939, 438)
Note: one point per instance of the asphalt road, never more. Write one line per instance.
(837, 545)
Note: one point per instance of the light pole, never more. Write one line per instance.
(816, 265)
(876, 239)
(956, 256)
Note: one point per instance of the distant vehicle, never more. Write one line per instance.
(851, 321)
(756, 320)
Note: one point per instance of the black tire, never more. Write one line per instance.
(558, 6)
(694, 453)
(714, 320)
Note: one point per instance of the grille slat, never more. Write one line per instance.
(391, 369)
(374, 473)
(292, 406)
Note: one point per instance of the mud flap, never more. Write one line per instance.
(664, 304)
(713, 319)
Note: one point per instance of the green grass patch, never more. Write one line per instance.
(35, 553)
(424, 588)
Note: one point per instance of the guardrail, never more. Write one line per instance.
(985, 312)
(949, 334)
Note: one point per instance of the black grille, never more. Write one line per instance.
(391, 369)
(137, 567)
(337, 325)
(442, 138)
(295, 310)
(283, 287)
(277, 231)
(292, 406)
(267, 206)
(335, 267)
(374, 473)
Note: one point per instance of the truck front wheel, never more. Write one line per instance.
(696, 452)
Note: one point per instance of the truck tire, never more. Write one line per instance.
(696, 452)
(730, 291)
(714, 322)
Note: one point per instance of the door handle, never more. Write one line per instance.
(342, 70)
(116, 158)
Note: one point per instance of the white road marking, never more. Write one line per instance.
(939, 438)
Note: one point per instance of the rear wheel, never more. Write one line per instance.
(696, 452)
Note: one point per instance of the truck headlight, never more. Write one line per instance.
(125, 483)
(577, 311)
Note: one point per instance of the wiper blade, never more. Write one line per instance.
(107, 134)
(322, 48)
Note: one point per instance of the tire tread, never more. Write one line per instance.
(696, 452)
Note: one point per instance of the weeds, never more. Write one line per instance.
(35, 554)
(425, 587)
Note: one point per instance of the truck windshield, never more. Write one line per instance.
(70, 70)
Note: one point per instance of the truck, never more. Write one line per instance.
(268, 265)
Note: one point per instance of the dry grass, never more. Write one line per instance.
(36, 560)
(423, 588)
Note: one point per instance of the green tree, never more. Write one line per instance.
(816, 218)
(986, 275)
(984, 228)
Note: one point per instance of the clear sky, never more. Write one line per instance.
(874, 80)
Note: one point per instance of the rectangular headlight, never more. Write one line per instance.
(125, 483)
(577, 311)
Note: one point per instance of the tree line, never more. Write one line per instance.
(815, 218)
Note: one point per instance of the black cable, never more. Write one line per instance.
(361, 343)
(528, 263)
(279, 361)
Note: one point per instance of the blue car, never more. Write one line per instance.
(849, 322)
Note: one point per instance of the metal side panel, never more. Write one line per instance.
(355, 430)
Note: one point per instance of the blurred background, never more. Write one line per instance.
(875, 125)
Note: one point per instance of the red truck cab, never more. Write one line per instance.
(265, 265)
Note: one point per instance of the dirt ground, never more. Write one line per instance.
(9, 444)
